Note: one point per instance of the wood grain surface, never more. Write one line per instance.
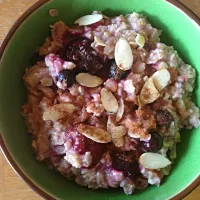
(13, 187)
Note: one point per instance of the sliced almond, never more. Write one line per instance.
(115, 131)
(88, 80)
(161, 79)
(153, 161)
(94, 133)
(123, 54)
(118, 142)
(99, 41)
(118, 131)
(120, 111)
(88, 19)
(140, 40)
(109, 101)
(149, 93)
(58, 111)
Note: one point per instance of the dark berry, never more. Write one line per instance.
(83, 55)
(164, 117)
(133, 172)
(90, 61)
(154, 144)
(121, 161)
(125, 161)
(96, 150)
(67, 77)
(81, 144)
(116, 72)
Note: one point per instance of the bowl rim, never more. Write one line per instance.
(176, 3)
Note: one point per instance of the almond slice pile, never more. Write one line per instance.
(123, 54)
(88, 19)
(152, 87)
(117, 132)
(88, 80)
(153, 161)
(109, 101)
(149, 92)
(94, 133)
(58, 111)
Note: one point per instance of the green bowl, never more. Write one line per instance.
(180, 29)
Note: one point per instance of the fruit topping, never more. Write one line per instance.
(67, 77)
(154, 144)
(81, 53)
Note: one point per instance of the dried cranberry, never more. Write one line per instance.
(154, 144)
(125, 161)
(96, 150)
(117, 73)
(81, 144)
(83, 55)
(67, 77)
(164, 117)
(121, 161)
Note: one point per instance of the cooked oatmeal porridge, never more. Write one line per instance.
(106, 102)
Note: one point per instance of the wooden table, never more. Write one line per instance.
(12, 187)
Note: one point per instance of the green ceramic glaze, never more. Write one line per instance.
(179, 31)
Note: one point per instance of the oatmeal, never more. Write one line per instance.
(107, 102)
